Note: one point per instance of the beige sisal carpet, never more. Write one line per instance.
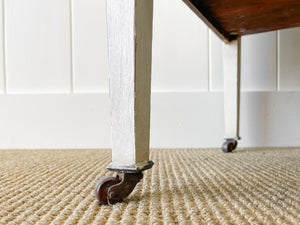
(257, 186)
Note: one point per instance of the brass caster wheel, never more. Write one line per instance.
(111, 190)
(229, 145)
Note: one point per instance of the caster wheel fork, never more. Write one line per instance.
(111, 190)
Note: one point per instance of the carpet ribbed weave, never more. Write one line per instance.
(185, 186)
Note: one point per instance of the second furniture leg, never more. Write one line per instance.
(231, 65)
(129, 45)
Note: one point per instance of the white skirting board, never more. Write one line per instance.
(179, 120)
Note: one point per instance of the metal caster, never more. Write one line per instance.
(111, 190)
(229, 145)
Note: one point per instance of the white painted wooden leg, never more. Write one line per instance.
(231, 65)
(130, 45)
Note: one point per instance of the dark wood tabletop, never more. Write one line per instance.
(232, 18)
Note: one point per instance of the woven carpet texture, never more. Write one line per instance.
(185, 186)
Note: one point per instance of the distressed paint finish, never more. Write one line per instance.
(129, 43)
(231, 60)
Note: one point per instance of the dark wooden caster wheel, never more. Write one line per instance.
(111, 190)
(229, 145)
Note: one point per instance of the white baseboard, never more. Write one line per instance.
(179, 120)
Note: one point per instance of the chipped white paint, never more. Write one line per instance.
(129, 43)
(231, 60)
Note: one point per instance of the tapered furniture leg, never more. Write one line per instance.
(129, 44)
(231, 60)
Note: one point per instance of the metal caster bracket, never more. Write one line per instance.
(230, 144)
(111, 190)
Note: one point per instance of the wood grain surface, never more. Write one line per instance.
(232, 18)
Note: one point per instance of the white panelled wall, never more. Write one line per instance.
(54, 79)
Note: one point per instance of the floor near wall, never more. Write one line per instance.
(185, 186)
